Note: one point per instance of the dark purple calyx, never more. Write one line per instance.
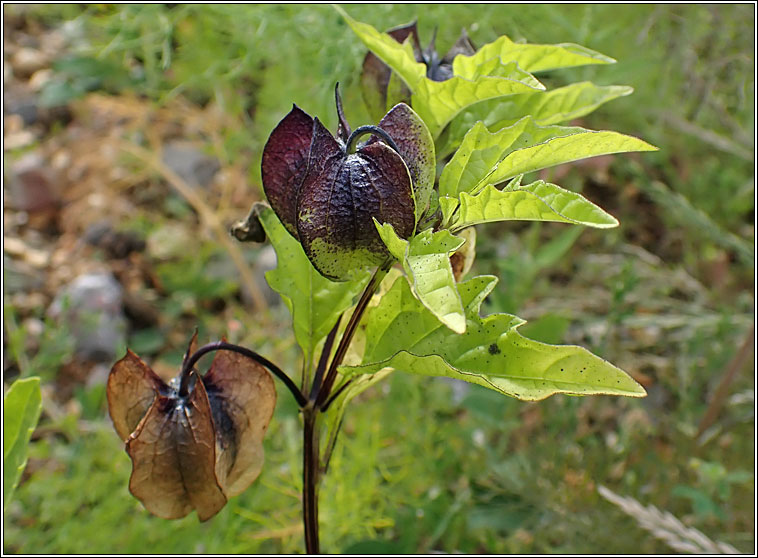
(341, 194)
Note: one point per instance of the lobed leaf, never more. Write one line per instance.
(531, 57)
(556, 151)
(426, 260)
(482, 151)
(22, 405)
(490, 158)
(538, 201)
(402, 334)
(545, 107)
(438, 102)
(314, 301)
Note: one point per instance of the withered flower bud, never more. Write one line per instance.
(196, 441)
(327, 191)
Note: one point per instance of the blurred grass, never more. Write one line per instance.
(667, 296)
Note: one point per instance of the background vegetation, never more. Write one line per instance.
(420, 467)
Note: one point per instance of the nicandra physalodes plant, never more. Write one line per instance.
(328, 190)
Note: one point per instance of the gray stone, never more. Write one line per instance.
(192, 165)
(91, 306)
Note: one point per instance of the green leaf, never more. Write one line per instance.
(532, 58)
(314, 301)
(481, 152)
(556, 151)
(438, 102)
(402, 334)
(490, 158)
(21, 409)
(545, 107)
(397, 56)
(495, 67)
(538, 201)
(426, 260)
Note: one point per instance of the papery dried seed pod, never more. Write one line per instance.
(195, 448)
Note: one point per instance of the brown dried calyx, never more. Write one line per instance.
(196, 441)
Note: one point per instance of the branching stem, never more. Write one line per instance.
(350, 329)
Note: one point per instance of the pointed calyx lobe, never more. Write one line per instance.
(193, 451)
(285, 158)
(416, 147)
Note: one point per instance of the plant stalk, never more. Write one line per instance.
(310, 479)
(317, 402)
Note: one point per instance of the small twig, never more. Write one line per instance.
(719, 396)
(324, 359)
(207, 218)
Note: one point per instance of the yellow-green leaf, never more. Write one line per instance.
(426, 261)
(314, 301)
(545, 107)
(538, 201)
(402, 334)
(397, 56)
(532, 58)
(438, 102)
